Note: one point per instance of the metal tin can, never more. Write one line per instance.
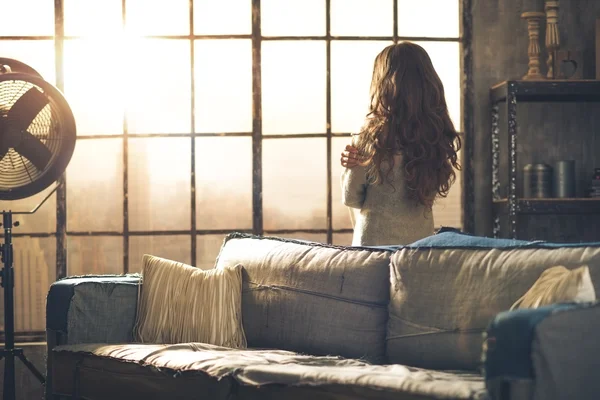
(537, 181)
(564, 179)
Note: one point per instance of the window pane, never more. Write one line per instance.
(27, 17)
(448, 211)
(223, 17)
(294, 184)
(362, 18)
(42, 221)
(95, 186)
(445, 57)
(207, 250)
(292, 17)
(342, 239)
(351, 72)
(158, 86)
(156, 18)
(38, 54)
(339, 212)
(175, 248)
(310, 237)
(415, 18)
(92, 17)
(94, 93)
(224, 183)
(293, 87)
(223, 85)
(159, 184)
(34, 261)
(95, 255)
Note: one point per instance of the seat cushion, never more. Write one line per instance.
(186, 371)
(444, 295)
(311, 297)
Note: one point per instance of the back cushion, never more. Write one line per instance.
(312, 298)
(443, 298)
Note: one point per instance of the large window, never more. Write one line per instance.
(204, 117)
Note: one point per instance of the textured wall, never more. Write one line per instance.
(547, 132)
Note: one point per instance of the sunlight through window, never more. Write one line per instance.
(93, 18)
(351, 73)
(293, 87)
(155, 18)
(223, 73)
(94, 84)
(39, 54)
(223, 17)
(293, 17)
(27, 18)
(157, 86)
(224, 176)
(417, 18)
(102, 175)
(294, 191)
(362, 18)
(159, 179)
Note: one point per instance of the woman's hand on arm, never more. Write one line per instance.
(349, 157)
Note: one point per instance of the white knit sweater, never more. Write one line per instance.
(383, 214)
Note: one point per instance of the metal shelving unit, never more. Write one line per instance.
(511, 93)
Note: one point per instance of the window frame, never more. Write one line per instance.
(256, 135)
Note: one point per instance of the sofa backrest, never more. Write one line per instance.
(310, 297)
(445, 290)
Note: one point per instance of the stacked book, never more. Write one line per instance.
(595, 188)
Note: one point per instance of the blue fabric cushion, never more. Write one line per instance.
(460, 239)
(454, 239)
(507, 350)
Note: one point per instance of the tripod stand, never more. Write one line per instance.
(9, 352)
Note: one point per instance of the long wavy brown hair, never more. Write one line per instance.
(408, 115)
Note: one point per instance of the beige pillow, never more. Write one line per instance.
(559, 285)
(178, 303)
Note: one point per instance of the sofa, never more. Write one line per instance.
(429, 320)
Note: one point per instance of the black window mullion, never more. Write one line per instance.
(61, 192)
(468, 122)
(193, 138)
(328, 122)
(125, 169)
(395, 15)
(257, 204)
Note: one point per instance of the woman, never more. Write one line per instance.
(405, 155)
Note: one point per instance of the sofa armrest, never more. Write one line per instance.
(92, 309)
(546, 353)
(89, 309)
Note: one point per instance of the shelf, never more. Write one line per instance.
(551, 206)
(548, 90)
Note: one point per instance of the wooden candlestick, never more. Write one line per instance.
(533, 51)
(552, 35)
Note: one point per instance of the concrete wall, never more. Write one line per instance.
(547, 132)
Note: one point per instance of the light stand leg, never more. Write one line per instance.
(8, 282)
